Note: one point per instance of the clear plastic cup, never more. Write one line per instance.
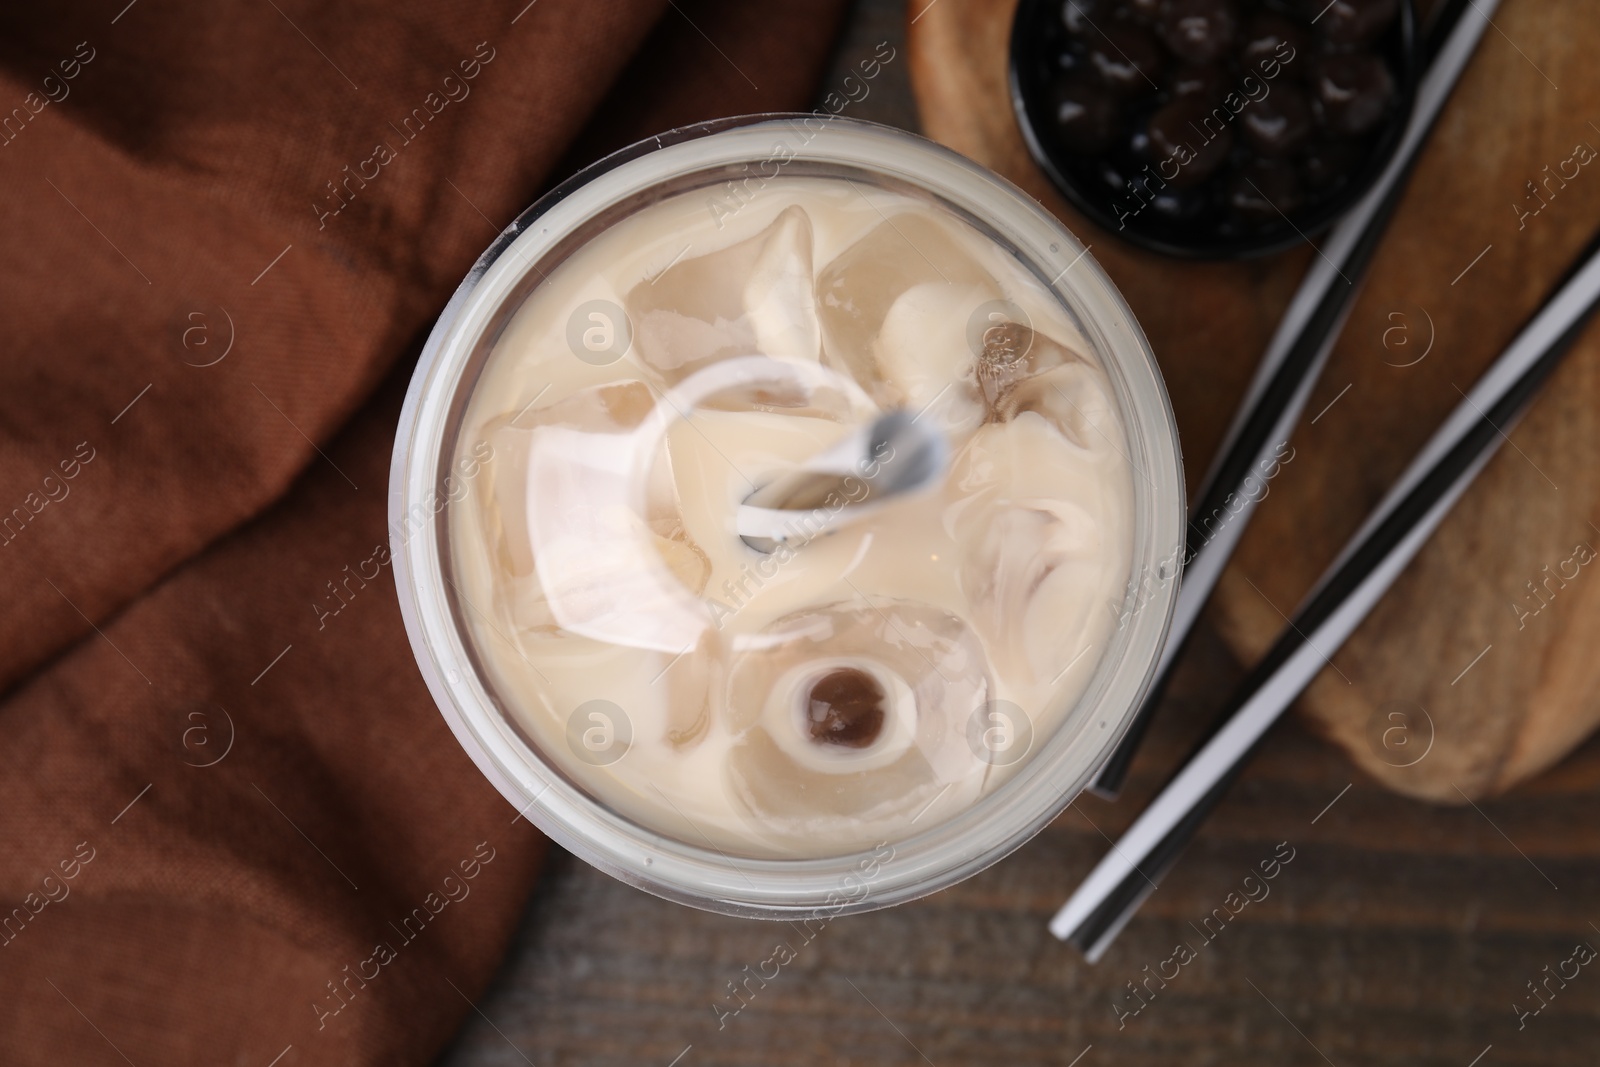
(432, 473)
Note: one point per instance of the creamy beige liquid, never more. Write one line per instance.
(674, 671)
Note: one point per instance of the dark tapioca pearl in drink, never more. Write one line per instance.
(1127, 59)
(1353, 92)
(1085, 114)
(1188, 143)
(1328, 164)
(845, 707)
(1348, 22)
(1200, 31)
(1271, 38)
(1278, 123)
(1264, 191)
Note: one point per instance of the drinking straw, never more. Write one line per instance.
(1292, 364)
(1348, 590)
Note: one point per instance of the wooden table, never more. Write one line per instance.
(1400, 933)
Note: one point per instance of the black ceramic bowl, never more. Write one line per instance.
(1121, 187)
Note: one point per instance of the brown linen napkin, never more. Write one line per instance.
(234, 826)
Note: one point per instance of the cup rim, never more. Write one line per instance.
(707, 878)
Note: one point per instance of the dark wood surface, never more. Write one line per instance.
(1401, 933)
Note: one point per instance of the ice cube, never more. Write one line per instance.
(1035, 575)
(583, 549)
(1018, 553)
(923, 354)
(686, 560)
(613, 408)
(1075, 398)
(694, 682)
(856, 290)
(1013, 353)
(609, 408)
(754, 296)
(596, 556)
(932, 673)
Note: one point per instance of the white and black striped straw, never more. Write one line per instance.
(1347, 591)
(1293, 362)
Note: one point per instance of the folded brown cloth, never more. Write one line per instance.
(235, 828)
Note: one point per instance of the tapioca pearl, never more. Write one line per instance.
(1263, 191)
(1127, 59)
(1270, 37)
(1278, 123)
(1353, 91)
(1351, 22)
(1180, 133)
(1200, 31)
(845, 707)
(1085, 115)
(1080, 17)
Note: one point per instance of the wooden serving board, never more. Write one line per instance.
(1467, 678)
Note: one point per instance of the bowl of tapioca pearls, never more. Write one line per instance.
(1214, 129)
